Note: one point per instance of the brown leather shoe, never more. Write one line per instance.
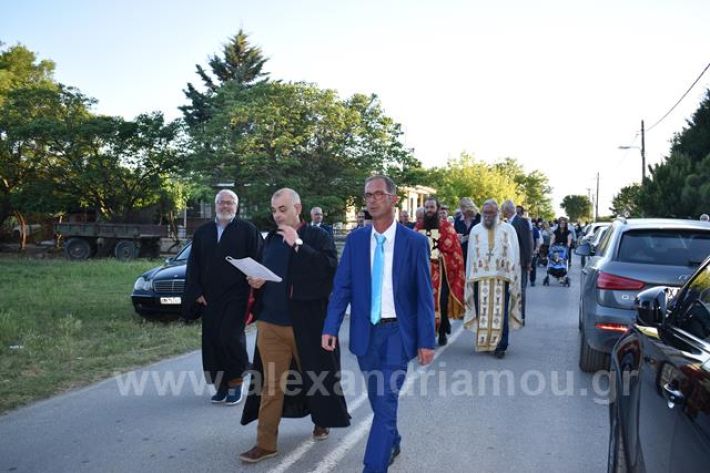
(257, 454)
(320, 433)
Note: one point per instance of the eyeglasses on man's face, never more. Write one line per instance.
(226, 202)
(377, 195)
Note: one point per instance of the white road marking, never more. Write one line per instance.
(306, 445)
(331, 460)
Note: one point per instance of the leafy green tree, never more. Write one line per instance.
(537, 195)
(534, 188)
(20, 69)
(273, 134)
(118, 166)
(28, 92)
(577, 207)
(240, 63)
(468, 177)
(626, 202)
(680, 185)
(694, 139)
(465, 176)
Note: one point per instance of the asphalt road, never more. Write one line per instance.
(532, 411)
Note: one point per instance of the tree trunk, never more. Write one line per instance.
(23, 230)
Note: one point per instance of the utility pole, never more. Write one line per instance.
(596, 202)
(643, 153)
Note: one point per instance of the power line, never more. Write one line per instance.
(679, 100)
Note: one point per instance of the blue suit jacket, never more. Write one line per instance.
(411, 281)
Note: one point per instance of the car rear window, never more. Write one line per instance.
(665, 247)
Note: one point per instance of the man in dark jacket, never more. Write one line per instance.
(223, 293)
(523, 228)
(290, 316)
(317, 220)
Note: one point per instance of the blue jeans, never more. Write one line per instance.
(384, 367)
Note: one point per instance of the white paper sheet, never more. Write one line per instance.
(253, 269)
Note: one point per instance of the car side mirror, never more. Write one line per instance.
(585, 249)
(652, 306)
(169, 260)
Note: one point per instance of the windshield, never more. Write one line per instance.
(665, 247)
(184, 253)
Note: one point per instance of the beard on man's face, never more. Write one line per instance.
(226, 215)
(489, 222)
(431, 221)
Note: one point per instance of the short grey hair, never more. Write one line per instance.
(295, 198)
(229, 193)
(389, 183)
(492, 202)
(508, 206)
(420, 212)
(466, 202)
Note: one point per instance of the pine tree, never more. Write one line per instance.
(240, 63)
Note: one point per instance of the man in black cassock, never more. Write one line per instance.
(290, 316)
(222, 293)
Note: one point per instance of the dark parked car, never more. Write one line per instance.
(633, 255)
(158, 292)
(660, 382)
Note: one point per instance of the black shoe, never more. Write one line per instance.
(234, 395)
(320, 433)
(442, 340)
(395, 453)
(532, 283)
(220, 395)
(500, 354)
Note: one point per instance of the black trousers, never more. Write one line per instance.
(444, 324)
(224, 347)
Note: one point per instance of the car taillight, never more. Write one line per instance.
(618, 283)
(612, 327)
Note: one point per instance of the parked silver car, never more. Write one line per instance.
(633, 255)
(592, 230)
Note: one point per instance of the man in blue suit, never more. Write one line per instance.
(384, 275)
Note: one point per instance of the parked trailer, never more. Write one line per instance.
(125, 241)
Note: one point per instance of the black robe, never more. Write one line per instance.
(224, 353)
(309, 282)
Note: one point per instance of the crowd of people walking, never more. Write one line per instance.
(401, 281)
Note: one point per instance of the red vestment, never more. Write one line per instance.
(446, 253)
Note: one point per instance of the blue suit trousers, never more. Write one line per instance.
(384, 367)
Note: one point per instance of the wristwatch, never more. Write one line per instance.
(298, 243)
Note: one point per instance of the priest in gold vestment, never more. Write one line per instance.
(492, 292)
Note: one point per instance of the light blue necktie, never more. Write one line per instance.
(378, 269)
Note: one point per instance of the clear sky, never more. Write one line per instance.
(556, 84)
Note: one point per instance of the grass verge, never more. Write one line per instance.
(67, 324)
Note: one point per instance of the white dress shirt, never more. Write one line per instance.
(388, 311)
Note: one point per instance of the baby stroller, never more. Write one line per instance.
(557, 265)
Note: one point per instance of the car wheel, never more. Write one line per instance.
(591, 360)
(125, 250)
(77, 249)
(616, 462)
